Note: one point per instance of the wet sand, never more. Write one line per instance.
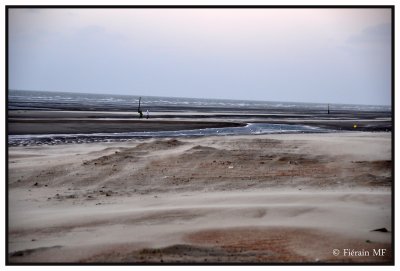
(231, 199)
(74, 122)
(87, 126)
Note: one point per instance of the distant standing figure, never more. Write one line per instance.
(147, 114)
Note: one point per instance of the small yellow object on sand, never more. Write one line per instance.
(355, 126)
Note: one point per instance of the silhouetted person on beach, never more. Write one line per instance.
(147, 114)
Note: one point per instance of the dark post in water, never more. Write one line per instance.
(140, 110)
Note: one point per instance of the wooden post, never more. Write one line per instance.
(139, 110)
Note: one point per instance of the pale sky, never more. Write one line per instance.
(294, 55)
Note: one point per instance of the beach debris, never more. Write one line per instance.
(17, 254)
(368, 241)
(25, 252)
(355, 126)
(36, 184)
(230, 167)
(381, 230)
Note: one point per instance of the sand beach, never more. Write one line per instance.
(291, 198)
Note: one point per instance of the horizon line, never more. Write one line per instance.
(204, 98)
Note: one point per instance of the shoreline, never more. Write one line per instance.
(23, 122)
(87, 126)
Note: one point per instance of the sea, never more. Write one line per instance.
(60, 101)
(45, 100)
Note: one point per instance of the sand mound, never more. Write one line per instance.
(159, 144)
(263, 200)
(280, 244)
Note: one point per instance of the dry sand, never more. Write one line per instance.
(267, 198)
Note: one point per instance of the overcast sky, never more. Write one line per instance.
(299, 55)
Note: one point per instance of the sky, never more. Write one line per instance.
(294, 55)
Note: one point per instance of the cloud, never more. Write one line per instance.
(270, 54)
(380, 33)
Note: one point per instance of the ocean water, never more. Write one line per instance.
(43, 100)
